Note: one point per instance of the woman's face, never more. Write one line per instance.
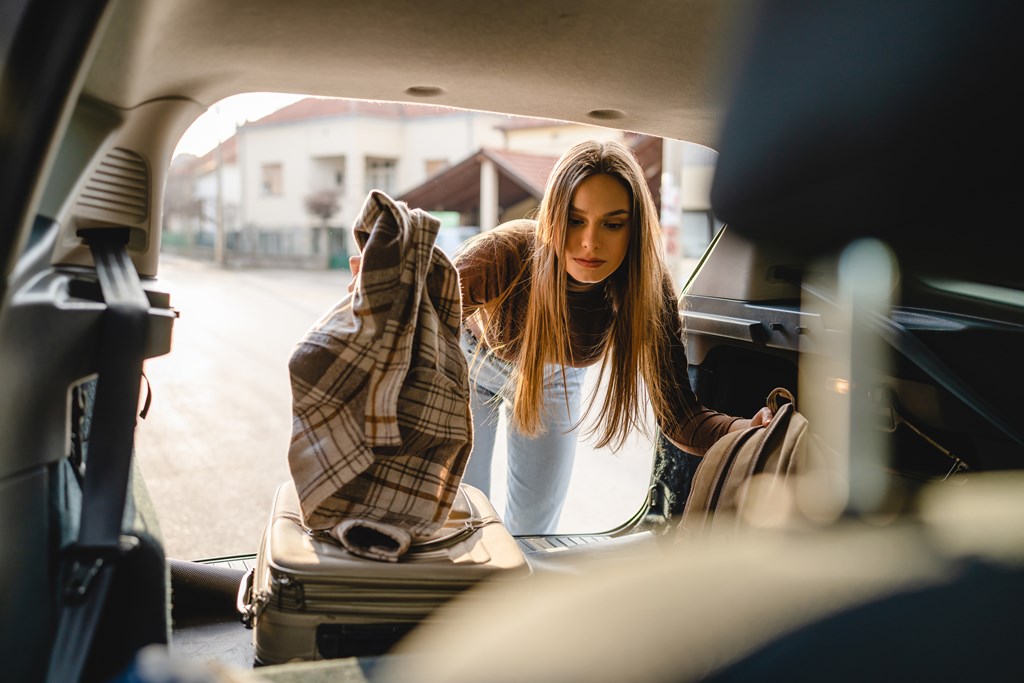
(597, 236)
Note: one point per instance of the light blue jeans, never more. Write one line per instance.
(539, 468)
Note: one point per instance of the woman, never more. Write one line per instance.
(543, 300)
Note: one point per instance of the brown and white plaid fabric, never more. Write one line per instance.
(381, 427)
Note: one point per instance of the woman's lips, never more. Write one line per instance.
(589, 264)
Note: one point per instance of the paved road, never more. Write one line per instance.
(213, 448)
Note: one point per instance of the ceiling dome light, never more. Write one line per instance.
(424, 91)
(606, 114)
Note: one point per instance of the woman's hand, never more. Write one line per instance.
(354, 262)
(762, 418)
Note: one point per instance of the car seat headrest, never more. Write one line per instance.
(888, 119)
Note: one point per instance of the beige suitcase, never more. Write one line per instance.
(309, 598)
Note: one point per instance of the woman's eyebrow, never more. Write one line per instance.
(617, 212)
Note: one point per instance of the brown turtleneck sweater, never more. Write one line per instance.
(490, 265)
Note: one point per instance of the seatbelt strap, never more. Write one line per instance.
(87, 565)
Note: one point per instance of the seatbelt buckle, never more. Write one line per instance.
(86, 563)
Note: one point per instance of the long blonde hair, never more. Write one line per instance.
(635, 347)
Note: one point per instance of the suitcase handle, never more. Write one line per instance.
(455, 536)
(472, 521)
(245, 608)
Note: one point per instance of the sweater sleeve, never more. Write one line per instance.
(488, 262)
(690, 425)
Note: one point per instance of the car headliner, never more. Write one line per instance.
(642, 65)
(886, 105)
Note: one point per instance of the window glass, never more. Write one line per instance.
(272, 179)
(381, 174)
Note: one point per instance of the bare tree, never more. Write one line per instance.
(180, 203)
(323, 204)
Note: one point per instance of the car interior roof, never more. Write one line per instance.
(645, 65)
(831, 150)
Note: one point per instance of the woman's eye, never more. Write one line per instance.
(575, 222)
(614, 226)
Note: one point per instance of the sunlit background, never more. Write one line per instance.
(255, 242)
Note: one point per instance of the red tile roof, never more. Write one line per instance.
(189, 164)
(228, 150)
(532, 170)
(520, 175)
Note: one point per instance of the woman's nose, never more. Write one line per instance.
(590, 236)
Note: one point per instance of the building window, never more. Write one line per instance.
(272, 180)
(381, 174)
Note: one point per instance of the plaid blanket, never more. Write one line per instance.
(381, 427)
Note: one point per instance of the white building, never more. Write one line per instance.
(348, 147)
(203, 194)
(478, 168)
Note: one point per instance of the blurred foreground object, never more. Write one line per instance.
(935, 597)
